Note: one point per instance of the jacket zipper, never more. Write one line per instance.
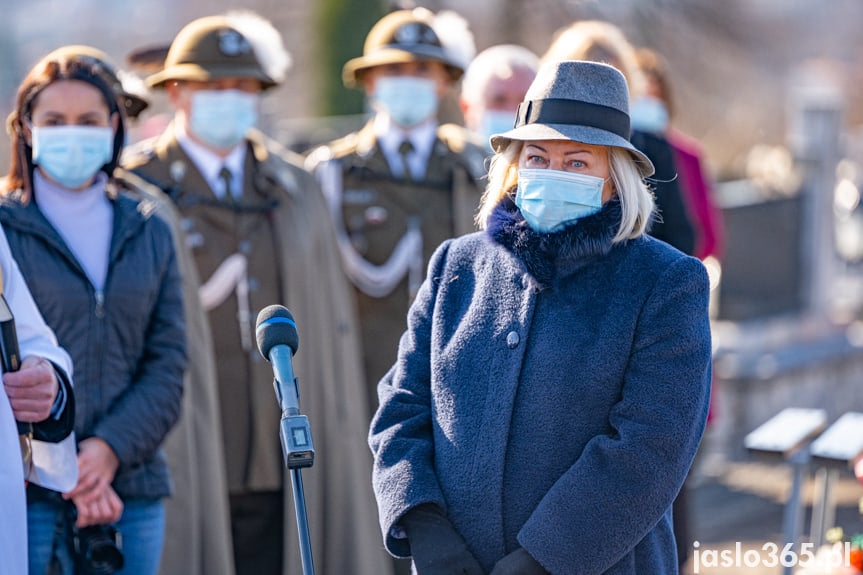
(100, 304)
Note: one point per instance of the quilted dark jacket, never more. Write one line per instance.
(127, 342)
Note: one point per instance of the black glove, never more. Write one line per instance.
(519, 562)
(436, 547)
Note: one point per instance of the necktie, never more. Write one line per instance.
(406, 148)
(226, 177)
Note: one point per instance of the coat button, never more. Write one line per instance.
(512, 340)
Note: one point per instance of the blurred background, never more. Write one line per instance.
(771, 91)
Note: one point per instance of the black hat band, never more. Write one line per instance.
(573, 112)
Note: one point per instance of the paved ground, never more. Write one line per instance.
(744, 502)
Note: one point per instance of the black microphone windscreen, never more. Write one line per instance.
(275, 326)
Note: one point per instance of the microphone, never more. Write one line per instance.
(277, 337)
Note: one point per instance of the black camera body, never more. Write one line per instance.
(97, 549)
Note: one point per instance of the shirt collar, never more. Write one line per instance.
(209, 163)
(391, 135)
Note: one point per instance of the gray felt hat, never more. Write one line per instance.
(585, 102)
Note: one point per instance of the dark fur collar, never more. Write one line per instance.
(552, 256)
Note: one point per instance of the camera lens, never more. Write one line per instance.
(99, 548)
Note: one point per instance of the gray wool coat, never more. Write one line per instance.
(553, 402)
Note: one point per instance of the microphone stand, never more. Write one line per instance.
(297, 447)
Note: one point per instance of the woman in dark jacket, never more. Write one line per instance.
(102, 270)
(552, 386)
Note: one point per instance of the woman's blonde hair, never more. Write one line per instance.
(598, 41)
(636, 200)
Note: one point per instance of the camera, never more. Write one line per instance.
(97, 549)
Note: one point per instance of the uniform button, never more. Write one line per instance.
(376, 215)
(512, 340)
(253, 284)
(245, 247)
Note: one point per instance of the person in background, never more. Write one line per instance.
(653, 113)
(492, 88)
(260, 234)
(104, 275)
(196, 517)
(552, 386)
(598, 41)
(143, 62)
(403, 183)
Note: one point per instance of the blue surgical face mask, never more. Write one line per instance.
(221, 118)
(71, 155)
(648, 114)
(495, 122)
(407, 99)
(551, 199)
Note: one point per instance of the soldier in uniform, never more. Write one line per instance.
(260, 234)
(403, 183)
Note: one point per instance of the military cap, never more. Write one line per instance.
(148, 60)
(133, 104)
(222, 47)
(401, 36)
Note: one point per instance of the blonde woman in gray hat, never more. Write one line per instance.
(552, 385)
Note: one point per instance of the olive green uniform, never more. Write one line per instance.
(374, 211)
(197, 517)
(279, 232)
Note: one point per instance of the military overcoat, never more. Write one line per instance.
(282, 225)
(389, 226)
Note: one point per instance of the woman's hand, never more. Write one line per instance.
(32, 389)
(101, 510)
(519, 562)
(97, 465)
(436, 547)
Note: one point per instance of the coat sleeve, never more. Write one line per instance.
(36, 338)
(623, 483)
(400, 437)
(139, 420)
(34, 335)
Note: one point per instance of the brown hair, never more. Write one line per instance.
(598, 41)
(654, 67)
(44, 73)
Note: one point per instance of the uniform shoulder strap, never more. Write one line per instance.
(461, 143)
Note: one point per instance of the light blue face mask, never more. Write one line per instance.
(495, 122)
(221, 118)
(408, 100)
(648, 114)
(551, 199)
(71, 155)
